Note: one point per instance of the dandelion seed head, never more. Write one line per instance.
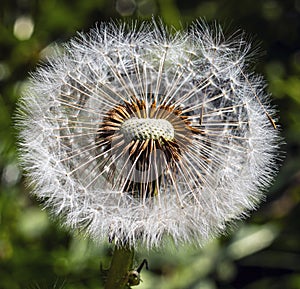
(134, 133)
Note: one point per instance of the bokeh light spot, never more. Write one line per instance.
(23, 28)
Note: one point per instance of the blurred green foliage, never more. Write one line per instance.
(261, 252)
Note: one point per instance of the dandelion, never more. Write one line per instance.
(135, 132)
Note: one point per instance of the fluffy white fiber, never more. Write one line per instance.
(83, 168)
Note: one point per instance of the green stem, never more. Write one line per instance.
(121, 264)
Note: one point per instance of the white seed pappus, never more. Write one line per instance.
(135, 132)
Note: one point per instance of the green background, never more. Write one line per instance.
(261, 252)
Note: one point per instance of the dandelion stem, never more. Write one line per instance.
(121, 265)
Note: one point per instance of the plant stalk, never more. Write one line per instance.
(121, 264)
